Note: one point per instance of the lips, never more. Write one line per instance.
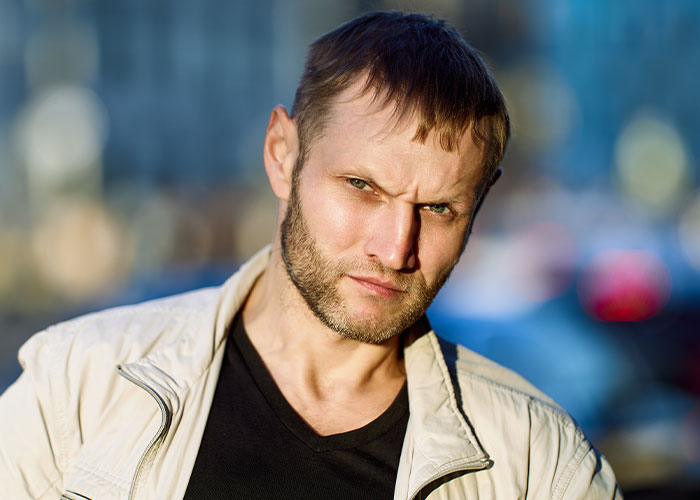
(378, 286)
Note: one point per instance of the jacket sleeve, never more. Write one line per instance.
(32, 422)
(27, 448)
(589, 477)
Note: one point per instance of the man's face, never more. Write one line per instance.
(376, 221)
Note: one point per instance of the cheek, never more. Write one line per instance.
(335, 221)
(439, 249)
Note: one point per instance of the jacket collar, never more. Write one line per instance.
(173, 368)
(438, 441)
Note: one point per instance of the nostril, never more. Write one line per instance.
(411, 261)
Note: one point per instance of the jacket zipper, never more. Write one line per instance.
(65, 496)
(481, 464)
(154, 444)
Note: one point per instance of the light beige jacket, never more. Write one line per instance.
(74, 427)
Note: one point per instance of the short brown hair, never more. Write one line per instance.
(420, 65)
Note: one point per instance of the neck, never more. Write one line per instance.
(316, 369)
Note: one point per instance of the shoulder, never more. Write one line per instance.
(486, 388)
(512, 418)
(473, 368)
(69, 368)
(119, 334)
(502, 403)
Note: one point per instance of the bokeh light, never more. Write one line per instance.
(625, 285)
(169, 231)
(154, 233)
(61, 136)
(652, 163)
(80, 249)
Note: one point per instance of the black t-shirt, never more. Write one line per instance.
(255, 445)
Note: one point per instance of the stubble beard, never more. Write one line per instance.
(317, 277)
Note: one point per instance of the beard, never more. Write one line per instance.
(317, 278)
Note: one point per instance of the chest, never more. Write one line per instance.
(255, 445)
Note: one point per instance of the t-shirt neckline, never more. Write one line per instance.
(289, 416)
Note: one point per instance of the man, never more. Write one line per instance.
(313, 372)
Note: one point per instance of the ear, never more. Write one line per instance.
(280, 151)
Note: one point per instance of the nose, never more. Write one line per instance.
(393, 236)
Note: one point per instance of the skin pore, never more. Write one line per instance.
(372, 227)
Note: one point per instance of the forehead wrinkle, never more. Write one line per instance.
(360, 114)
(410, 176)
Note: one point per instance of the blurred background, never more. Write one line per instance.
(130, 168)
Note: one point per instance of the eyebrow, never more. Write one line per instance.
(362, 172)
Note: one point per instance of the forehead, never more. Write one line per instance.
(362, 131)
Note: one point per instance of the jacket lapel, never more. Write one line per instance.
(173, 368)
(439, 442)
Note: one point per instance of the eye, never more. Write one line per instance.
(359, 184)
(438, 208)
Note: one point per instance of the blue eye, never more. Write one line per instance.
(358, 183)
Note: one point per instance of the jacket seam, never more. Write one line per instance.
(48, 488)
(101, 478)
(101, 475)
(569, 471)
(427, 459)
(62, 458)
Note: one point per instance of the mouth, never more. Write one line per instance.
(380, 287)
